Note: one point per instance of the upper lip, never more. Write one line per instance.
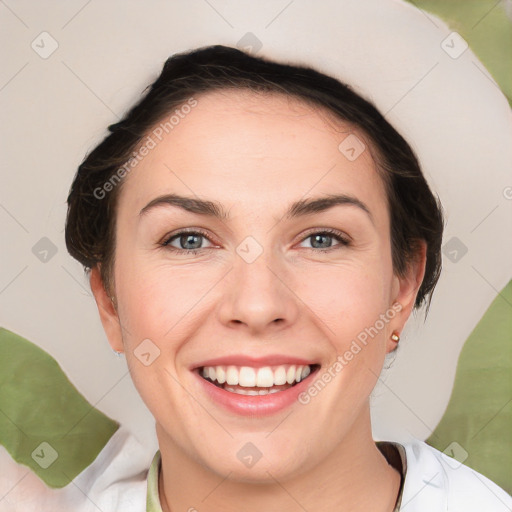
(256, 362)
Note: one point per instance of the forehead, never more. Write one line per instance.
(256, 149)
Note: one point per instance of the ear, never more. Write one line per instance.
(107, 311)
(404, 291)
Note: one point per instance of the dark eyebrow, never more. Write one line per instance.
(215, 209)
(321, 204)
(189, 204)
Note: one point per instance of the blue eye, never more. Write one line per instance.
(190, 242)
(322, 240)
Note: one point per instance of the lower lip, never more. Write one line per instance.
(255, 405)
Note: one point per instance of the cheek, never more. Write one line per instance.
(350, 300)
(157, 314)
(347, 296)
(156, 298)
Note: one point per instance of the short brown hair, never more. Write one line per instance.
(415, 213)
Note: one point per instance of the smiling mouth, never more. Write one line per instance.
(246, 380)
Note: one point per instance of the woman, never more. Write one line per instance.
(257, 236)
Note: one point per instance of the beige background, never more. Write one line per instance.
(57, 108)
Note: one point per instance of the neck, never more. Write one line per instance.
(355, 476)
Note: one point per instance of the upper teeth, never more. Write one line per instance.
(264, 377)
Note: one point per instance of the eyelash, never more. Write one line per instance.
(339, 236)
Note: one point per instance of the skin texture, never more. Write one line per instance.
(256, 154)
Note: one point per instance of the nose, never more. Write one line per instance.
(258, 297)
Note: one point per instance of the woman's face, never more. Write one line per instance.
(267, 291)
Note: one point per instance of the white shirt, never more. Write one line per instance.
(117, 481)
(435, 482)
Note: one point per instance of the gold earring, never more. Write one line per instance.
(395, 337)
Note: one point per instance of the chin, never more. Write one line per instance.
(257, 462)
